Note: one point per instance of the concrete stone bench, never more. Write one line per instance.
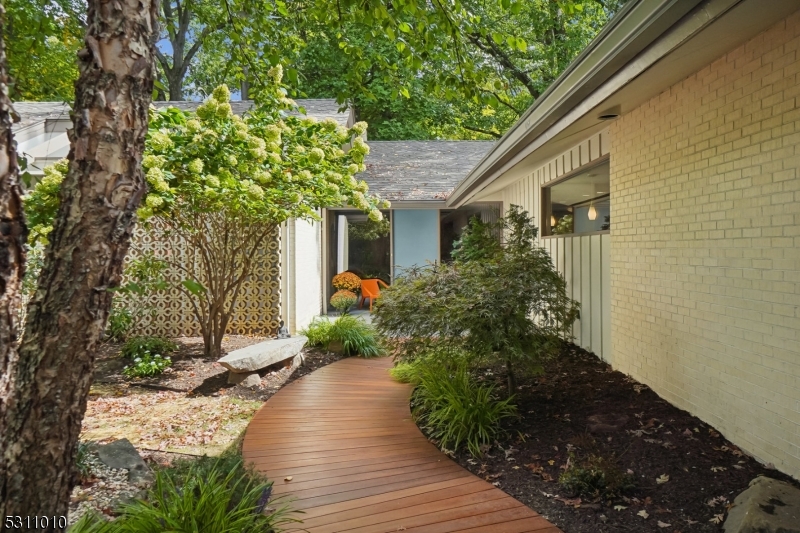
(245, 363)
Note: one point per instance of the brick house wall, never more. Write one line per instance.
(705, 247)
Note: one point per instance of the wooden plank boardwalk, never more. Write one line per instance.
(359, 464)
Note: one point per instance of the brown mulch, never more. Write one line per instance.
(685, 472)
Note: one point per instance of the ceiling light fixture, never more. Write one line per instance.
(592, 212)
(552, 220)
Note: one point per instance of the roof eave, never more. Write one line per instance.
(637, 26)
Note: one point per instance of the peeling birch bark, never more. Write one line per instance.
(90, 238)
(12, 254)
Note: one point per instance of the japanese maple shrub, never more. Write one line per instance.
(500, 300)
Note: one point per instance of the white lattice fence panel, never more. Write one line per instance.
(257, 309)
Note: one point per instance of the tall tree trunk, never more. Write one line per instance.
(90, 238)
(12, 258)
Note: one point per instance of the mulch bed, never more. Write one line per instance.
(685, 472)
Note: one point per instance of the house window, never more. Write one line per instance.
(578, 204)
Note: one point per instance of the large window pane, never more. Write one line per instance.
(578, 204)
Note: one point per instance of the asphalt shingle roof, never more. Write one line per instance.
(420, 170)
(33, 112)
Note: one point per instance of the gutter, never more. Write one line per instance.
(632, 30)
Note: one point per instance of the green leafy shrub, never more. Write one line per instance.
(595, 477)
(318, 332)
(456, 410)
(147, 365)
(343, 300)
(209, 495)
(146, 344)
(500, 301)
(356, 336)
(120, 322)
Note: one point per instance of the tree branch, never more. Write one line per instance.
(491, 48)
(506, 103)
(480, 130)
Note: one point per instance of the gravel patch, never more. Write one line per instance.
(102, 491)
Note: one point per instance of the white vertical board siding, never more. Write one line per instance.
(583, 260)
(301, 273)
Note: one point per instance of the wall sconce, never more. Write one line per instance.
(592, 212)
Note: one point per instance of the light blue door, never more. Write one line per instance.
(416, 238)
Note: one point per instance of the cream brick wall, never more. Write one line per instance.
(705, 245)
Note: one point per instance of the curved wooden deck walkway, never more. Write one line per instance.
(359, 464)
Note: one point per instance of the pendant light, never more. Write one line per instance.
(592, 211)
(552, 220)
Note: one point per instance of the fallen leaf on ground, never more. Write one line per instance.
(644, 514)
(663, 478)
(288, 478)
(663, 524)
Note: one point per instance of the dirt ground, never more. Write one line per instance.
(685, 473)
(190, 408)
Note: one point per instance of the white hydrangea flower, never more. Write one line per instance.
(195, 166)
(222, 94)
(316, 155)
(359, 128)
(276, 73)
(256, 190)
(154, 202)
(148, 161)
(160, 141)
(273, 133)
(375, 215)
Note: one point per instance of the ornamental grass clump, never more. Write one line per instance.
(456, 410)
(354, 336)
(209, 495)
(343, 300)
(346, 281)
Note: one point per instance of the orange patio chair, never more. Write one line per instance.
(371, 290)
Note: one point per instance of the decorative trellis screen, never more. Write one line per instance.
(257, 310)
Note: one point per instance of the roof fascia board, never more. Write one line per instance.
(633, 30)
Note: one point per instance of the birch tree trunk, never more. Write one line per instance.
(90, 238)
(12, 254)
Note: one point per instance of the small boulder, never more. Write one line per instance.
(263, 354)
(244, 379)
(121, 454)
(767, 506)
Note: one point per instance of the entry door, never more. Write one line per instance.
(415, 234)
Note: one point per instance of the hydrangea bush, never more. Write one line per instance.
(223, 183)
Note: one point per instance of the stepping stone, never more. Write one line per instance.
(245, 362)
(121, 454)
(768, 506)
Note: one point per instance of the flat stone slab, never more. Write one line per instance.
(121, 454)
(263, 354)
(768, 506)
